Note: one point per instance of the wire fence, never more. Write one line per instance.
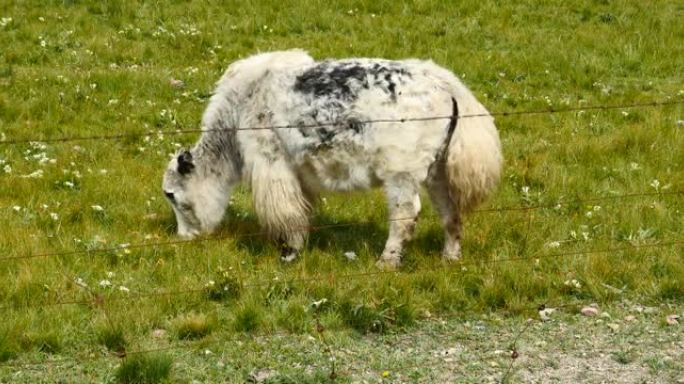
(330, 277)
(333, 363)
(647, 104)
(320, 227)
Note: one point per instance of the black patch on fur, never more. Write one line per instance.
(332, 88)
(343, 80)
(185, 164)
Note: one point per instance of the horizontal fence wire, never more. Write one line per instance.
(328, 226)
(648, 104)
(100, 299)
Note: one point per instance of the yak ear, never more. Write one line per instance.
(185, 164)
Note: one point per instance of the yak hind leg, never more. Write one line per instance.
(438, 188)
(403, 201)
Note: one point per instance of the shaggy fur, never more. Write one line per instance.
(333, 146)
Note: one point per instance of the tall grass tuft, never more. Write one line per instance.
(144, 369)
(113, 338)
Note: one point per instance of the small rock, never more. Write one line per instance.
(545, 314)
(650, 310)
(589, 311)
(449, 352)
(672, 319)
(175, 83)
(159, 333)
(630, 318)
(261, 375)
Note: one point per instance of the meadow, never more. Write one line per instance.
(589, 209)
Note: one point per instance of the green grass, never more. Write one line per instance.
(144, 369)
(94, 68)
(192, 326)
(113, 338)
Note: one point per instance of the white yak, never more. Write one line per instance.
(289, 126)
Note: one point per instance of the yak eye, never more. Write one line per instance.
(169, 195)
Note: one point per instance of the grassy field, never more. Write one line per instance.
(77, 293)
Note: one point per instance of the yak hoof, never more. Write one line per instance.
(388, 264)
(288, 254)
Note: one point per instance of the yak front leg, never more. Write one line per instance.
(281, 205)
(403, 201)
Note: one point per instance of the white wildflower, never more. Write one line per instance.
(655, 184)
(110, 274)
(105, 283)
(69, 184)
(350, 255)
(553, 244)
(318, 303)
(38, 145)
(80, 282)
(123, 289)
(54, 216)
(5, 21)
(97, 208)
(34, 175)
(16, 208)
(7, 168)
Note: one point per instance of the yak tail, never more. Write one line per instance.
(473, 156)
